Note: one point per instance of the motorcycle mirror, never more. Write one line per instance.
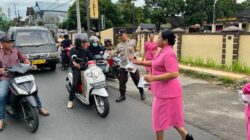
(74, 57)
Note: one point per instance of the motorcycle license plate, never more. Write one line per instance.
(99, 85)
(39, 61)
(24, 79)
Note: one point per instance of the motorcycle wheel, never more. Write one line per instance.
(101, 105)
(32, 119)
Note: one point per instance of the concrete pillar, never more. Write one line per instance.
(240, 25)
(213, 28)
(230, 47)
(177, 47)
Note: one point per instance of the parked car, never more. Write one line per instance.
(37, 44)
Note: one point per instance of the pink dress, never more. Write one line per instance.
(150, 48)
(167, 105)
(246, 90)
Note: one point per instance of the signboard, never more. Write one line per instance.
(227, 19)
(94, 9)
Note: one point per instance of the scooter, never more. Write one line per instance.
(101, 62)
(115, 64)
(21, 103)
(92, 89)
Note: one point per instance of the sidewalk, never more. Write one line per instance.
(216, 73)
(210, 107)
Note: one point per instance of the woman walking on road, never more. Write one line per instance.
(150, 51)
(167, 105)
(246, 90)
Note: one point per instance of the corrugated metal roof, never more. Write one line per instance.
(52, 6)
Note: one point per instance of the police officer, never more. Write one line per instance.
(125, 50)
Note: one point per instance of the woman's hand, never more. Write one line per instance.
(137, 62)
(149, 78)
(2, 70)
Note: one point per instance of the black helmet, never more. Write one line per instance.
(79, 39)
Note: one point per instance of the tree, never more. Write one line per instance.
(106, 7)
(244, 5)
(196, 12)
(226, 8)
(160, 10)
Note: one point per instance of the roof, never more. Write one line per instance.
(148, 26)
(28, 28)
(232, 29)
(29, 11)
(243, 14)
(51, 6)
(176, 22)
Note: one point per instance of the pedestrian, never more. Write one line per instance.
(246, 90)
(125, 50)
(167, 108)
(9, 57)
(150, 51)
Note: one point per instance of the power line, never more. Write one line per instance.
(62, 4)
(51, 5)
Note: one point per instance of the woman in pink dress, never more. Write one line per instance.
(150, 50)
(167, 104)
(246, 90)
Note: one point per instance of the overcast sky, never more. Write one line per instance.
(22, 5)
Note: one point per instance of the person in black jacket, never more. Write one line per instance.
(81, 52)
(95, 46)
(65, 45)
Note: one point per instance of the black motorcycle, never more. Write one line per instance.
(21, 103)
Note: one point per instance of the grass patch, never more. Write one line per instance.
(225, 81)
(236, 67)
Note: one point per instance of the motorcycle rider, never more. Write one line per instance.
(95, 46)
(82, 52)
(10, 56)
(66, 43)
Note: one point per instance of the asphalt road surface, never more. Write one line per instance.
(130, 120)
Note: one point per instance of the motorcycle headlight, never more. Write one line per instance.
(20, 91)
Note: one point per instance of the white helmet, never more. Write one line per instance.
(94, 39)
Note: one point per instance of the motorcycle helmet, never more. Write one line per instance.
(79, 39)
(94, 41)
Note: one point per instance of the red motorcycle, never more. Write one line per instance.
(65, 58)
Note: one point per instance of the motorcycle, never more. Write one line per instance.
(115, 64)
(92, 89)
(21, 103)
(66, 53)
(101, 62)
(110, 66)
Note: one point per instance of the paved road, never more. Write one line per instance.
(130, 120)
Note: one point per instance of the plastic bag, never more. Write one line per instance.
(244, 98)
(143, 83)
(131, 67)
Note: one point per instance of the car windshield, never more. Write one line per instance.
(34, 41)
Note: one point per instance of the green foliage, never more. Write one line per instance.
(210, 63)
(4, 25)
(123, 13)
(159, 10)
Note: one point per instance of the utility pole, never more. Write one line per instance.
(9, 13)
(88, 16)
(213, 26)
(78, 17)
